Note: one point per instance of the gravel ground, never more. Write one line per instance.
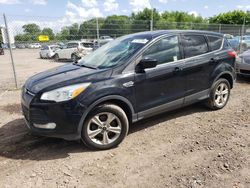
(190, 147)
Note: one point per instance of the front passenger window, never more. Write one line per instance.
(164, 51)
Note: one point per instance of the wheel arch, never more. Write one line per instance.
(118, 100)
(226, 75)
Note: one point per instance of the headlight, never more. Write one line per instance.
(64, 93)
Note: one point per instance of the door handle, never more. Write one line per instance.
(177, 69)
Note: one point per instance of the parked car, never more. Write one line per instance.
(68, 51)
(20, 46)
(105, 39)
(48, 51)
(34, 45)
(81, 51)
(234, 42)
(244, 42)
(243, 64)
(129, 79)
(1, 49)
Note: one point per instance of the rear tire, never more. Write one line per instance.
(105, 127)
(219, 96)
(56, 57)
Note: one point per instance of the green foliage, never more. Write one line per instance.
(118, 25)
(49, 32)
(63, 34)
(115, 26)
(232, 17)
(31, 28)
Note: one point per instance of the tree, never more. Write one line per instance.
(232, 17)
(49, 32)
(63, 34)
(73, 32)
(141, 20)
(31, 28)
(88, 29)
(116, 26)
(179, 20)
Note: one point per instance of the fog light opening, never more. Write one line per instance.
(45, 126)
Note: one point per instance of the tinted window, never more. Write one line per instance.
(45, 48)
(165, 50)
(194, 45)
(72, 45)
(214, 42)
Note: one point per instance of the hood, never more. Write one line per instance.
(64, 75)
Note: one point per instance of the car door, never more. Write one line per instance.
(199, 64)
(162, 87)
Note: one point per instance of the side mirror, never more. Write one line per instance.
(146, 63)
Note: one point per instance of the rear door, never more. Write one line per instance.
(198, 66)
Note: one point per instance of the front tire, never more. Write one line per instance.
(74, 57)
(56, 57)
(105, 127)
(219, 95)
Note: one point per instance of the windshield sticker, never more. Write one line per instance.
(142, 41)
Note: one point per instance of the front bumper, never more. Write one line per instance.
(243, 69)
(66, 116)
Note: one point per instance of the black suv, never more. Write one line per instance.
(126, 80)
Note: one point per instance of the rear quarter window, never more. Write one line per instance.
(214, 42)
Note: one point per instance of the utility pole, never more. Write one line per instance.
(242, 33)
(97, 32)
(152, 19)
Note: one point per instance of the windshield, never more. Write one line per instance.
(115, 52)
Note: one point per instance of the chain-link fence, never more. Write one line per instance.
(28, 34)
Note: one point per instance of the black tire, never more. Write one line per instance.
(56, 57)
(106, 108)
(211, 102)
(74, 57)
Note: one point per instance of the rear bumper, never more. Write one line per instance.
(243, 69)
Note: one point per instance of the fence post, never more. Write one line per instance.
(97, 32)
(220, 28)
(11, 54)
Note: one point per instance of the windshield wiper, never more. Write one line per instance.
(82, 65)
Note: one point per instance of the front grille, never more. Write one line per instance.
(245, 72)
(38, 116)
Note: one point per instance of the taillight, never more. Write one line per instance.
(232, 53)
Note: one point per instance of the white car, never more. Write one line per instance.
(35, 45)
(48, 51)
(68, 51)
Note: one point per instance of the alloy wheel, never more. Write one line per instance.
(104, 128)
(221, 94)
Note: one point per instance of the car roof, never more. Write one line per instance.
(155, 34)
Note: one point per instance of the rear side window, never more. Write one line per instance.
(72, 45)
(194, 45)
(45, 48)
(215, 42)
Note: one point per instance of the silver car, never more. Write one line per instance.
(48, 51)
(243, 64)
